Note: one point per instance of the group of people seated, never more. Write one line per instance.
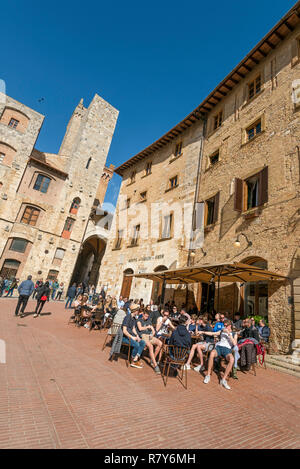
(147, 328)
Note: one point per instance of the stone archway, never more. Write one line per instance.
(88, 261)
(254, 295)
(157, 288)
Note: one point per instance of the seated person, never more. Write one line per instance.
(202, 346)
(186, 315)
(192, 325)
(263, 330)
(174, 313)
(147, 332)
(164, 324)
(249, 332)
(238, 322)
(180, 337)
(154, 314)
(219, 325)
(129, 332)
(223, 349)
(201, 323)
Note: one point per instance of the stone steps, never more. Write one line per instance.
(283, 363)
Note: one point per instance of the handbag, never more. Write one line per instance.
(43, 298)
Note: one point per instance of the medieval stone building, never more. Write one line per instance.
(46, 199)
(238, 153)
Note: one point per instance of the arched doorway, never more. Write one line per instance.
(254, 295)
(157, 287)
(10, 268)
(126, 284)
(89, 260)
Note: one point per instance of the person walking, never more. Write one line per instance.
(42, 295)
(25, 289)
(60, 291)
(71, 293)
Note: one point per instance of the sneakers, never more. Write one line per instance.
(186, 367)
(223, 383)
(206, 379)
(35, 315)
(136, 364)
(199, 368)
(157, 370)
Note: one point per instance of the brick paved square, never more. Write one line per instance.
(58, 390)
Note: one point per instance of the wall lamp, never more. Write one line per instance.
(237, 242)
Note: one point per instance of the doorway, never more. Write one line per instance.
(126, 284)
(10, 268)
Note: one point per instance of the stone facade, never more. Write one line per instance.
(152, 250)
(247, 188)
(38, 189)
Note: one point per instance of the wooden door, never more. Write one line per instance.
(126, 286)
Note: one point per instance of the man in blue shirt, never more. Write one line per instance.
(25, 289)
(219, 325)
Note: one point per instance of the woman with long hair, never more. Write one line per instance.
(42, 295)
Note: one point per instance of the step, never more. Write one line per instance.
(283, 363)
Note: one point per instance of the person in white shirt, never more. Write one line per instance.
(164, 324)
(224, 348)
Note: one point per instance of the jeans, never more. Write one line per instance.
(69, 302)
(10, 293)
(53, 294)
(236, 355)
(23, 300)
(58, 296)
(39, 306)
(136, 347)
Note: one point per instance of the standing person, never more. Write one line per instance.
(60, 291)
(92, 290)
(55, 286)
(71, 294)
(1, 285)
(79, 290)
(13, 285)
(42, 295)
(25, 289)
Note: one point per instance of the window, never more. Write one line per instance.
(13, 123)
(42, 183)
(173, 182)
(18, 244)
(143, 196)
(88, 163)
(251, 192)
(178, 149)
(75, 205)
(211, 209)
(254, 87)
(119, 239)
(52, 275)
(254, 130)
(148, 169)
(68, 224)
(59, 253)
(30, 216)
(135, 237)
(2, 155)
(214, 158)
(127, 203)
(218, 119)
(167, 226)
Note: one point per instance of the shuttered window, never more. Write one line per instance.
(211, 210)
(30, 216)
(251, 192)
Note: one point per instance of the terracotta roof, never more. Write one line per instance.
(280, 31)
(49, 160)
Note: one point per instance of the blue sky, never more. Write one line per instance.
(154, 61)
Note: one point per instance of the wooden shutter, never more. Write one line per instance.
(238, 194)
(263, 186)
(216, 207)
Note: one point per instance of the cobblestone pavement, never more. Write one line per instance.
(58, 390)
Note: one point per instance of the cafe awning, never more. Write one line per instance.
(230, 272)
